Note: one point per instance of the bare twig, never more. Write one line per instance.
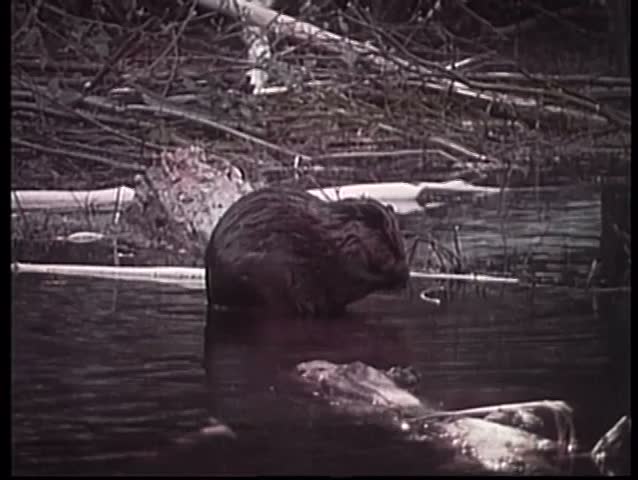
(161, 106)
(75, 154)
(465, 277)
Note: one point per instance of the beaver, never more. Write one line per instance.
(287, 250)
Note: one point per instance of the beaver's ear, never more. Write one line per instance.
(374, 216)
(346, 209)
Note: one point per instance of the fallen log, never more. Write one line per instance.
(105, 199)
(193, 277)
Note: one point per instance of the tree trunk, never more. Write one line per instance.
(620, 36)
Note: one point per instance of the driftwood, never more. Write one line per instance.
(189, 277)
(387, 192)
(611, 452)
(510, 438)
(105, 199)
(285, 25)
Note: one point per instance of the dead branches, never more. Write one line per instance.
(514, 105)
(337, 108)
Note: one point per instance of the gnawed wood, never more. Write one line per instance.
(183, 196)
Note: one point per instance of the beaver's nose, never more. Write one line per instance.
(400, 276)
(404, 275)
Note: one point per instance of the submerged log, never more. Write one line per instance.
(509, 438)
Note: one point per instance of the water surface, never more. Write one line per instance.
(107, 376)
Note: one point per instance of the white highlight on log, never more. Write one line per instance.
(82, 237)
(401, 191)
(187, 277)
(402, 195)
(194, 277)
(465, 277)
(259, 52)
(107, 199)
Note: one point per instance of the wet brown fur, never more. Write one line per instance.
(287, 250)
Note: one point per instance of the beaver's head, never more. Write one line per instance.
(367, 234)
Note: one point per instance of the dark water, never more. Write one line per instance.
(105, 374)
(109, 376)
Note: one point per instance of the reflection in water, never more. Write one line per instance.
(107, 375)
(101, 372)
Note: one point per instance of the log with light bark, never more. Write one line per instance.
(432, 76)
(104, 199)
